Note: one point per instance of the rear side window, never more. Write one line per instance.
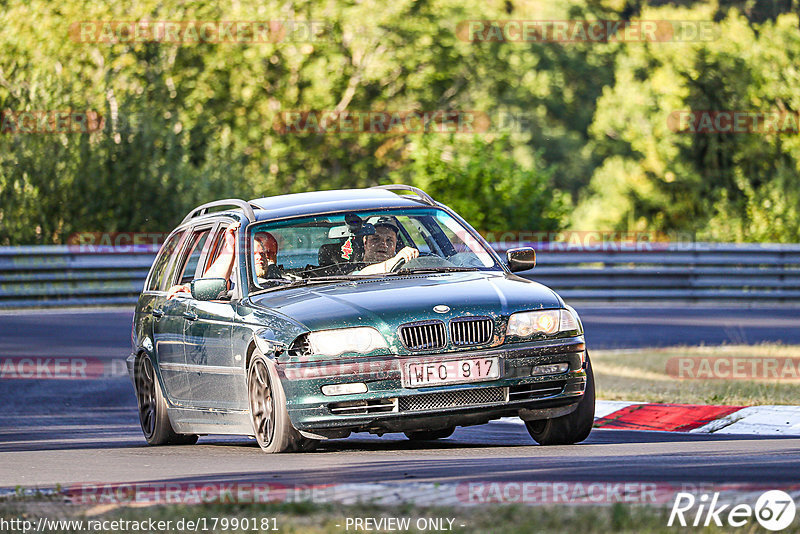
(160, 265)
(192, 256)
(216, 249)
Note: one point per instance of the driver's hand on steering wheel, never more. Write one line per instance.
(406, 255)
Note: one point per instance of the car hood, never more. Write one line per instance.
(386, 303)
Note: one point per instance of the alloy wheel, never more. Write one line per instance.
(261, 402)
(146, 395)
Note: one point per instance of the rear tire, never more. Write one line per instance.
(571, 428)
(430, 435)
(270, 419)
(153, 416)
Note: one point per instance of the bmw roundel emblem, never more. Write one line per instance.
(441, 308)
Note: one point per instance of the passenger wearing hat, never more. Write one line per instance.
(380, 247)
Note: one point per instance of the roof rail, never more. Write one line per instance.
(202, 210)
(425, 197)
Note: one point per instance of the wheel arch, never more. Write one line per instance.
(251, 349)
(157, 370)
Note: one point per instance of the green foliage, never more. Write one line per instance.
(187, 123)
(721, 186)
(485, 180)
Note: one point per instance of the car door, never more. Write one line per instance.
(170, 318)
(216, 377)
(166, 319)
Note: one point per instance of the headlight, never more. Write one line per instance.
(547, 322)
(334, 342)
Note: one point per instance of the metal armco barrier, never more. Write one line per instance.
(65, 276)
(682, 271)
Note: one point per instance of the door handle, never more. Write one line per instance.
(191, 316)
(158, 312)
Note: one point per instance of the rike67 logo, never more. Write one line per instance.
(774, 510)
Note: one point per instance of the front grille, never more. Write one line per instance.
(424, 335)
(452, 399)
(362, 407)
(466, 331)
(536, 391)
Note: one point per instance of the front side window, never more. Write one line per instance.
(346, 244)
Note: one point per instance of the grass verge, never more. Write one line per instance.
(642, 375)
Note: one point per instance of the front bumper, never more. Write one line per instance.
(388, 406)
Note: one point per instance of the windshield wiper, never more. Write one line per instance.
(335, 278)
(425, 270)
(287, 283)
(279, 283)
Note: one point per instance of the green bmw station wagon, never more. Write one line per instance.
(307, 317)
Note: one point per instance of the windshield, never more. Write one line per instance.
(362, 243)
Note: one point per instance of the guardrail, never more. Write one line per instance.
(683, 271)
(62, 275)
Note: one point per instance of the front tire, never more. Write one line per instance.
(571, 428)
(270, 419)
(153, 416)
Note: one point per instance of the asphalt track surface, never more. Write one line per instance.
(87, 431)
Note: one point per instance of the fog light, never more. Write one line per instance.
(550, 369)
(344, 389)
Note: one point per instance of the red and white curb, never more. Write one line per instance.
(699, 418)
(696, 418)
(760, 420)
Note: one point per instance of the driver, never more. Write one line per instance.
(265, 254)
(380, 247)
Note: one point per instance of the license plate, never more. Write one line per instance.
(421, 374)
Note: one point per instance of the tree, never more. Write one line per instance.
(482, 178)
(721, 186)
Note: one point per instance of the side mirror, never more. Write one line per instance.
(209, 288)
(521, 259)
